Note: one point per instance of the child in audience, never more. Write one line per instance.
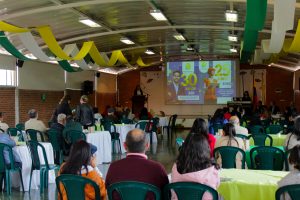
(294, 176)
(194, 164)
(82, 161)
(229, 139)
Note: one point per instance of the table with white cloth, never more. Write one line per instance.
(123, 129)
(25, 157)
(163, 121)
(102, 140)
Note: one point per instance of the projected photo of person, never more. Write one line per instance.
(175, 88)
(210, 85)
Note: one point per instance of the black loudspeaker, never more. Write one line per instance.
(87, 87)
(19, 63)
(97, 74)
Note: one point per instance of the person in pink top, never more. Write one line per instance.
(195, 165)
(200, 127)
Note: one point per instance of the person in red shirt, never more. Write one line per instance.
(200, 127)
(227, 114)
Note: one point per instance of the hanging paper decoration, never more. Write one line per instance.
(293, 44)
(11, 28)
(255, 20)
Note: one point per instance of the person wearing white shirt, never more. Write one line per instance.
(3, 125)
(238, 129)
(34, 123)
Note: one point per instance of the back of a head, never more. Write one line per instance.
(200, 127)
(32, 113)
(84, 98)
(61, 117)
(80, 156)
(194, 154)
(234, 120)
(229, 130)
(294, 157)
(136, 141)
(66, 98)
(297, 126)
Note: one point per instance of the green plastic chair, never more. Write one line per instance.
(57, 145)
(73, 136)
(33, 135)
(20, 126)
(129, 190)
(256, 129)
(260, 139)
(115, 136)
(216, 127)
(228, 155)
(244, 137)
(292, 190)
(189, 190)
(6, 169)
(126, 121)
(36, 164)
(2, 130)
(274, 129)
(74, 186)
(14, 132)
(143, 125)
(267, 158)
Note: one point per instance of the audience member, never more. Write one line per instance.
(229, 139)
(238, 129)
(84, 113)
(111, 116)
(273, 109)
(97, 115)
(194, 164)
(294, 176)
(63, 107)
(3, 125)
(293, 138)
(218, 118)
(144, 114)
(82, 161)
(136, 166)
(59, 127)
(34, 123)
(200, 127)
(227, 114)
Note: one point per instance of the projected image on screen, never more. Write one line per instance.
(200, 82)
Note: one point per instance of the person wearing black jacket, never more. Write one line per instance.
(84, 113)
(62, 108)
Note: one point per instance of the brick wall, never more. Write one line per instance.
(126, 84)
(279, 87)
(7, 105)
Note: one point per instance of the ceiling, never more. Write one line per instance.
(202, 23)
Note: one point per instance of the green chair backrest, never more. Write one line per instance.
(6, 148)
(292, 190)
(20, 126)
(260, 139)
(73, 136)
(143, 125)
(274, 129)
(129, 190)
(189, 190)
(257, 129)
(13, 132)
(33, 134)
(126, 121)
(74, 186)
(267, 158)
(228, 156)
(154, 124)
(265, 122)
(1, 130)
(33, 149)
(108, 125)
(54, 139)
(244, 137)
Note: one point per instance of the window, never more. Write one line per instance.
(7, 77)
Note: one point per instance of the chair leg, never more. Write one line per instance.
(7, 178)
(20, 172)
(30, 180)
(113, 146)
(46, 177)
(120, 151)
(42, 181)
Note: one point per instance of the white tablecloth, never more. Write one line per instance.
(163, 121)
(24, 154)
(102, 140)
(123, 130)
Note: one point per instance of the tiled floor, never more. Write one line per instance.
(164, 152)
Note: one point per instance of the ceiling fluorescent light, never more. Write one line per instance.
(233, 50)
(178, 36)
(233, 38)
(149, 52)
(231, 16)
(158, 15)
(31, 56)
(126, 40)
(89, 22)
(190, 49)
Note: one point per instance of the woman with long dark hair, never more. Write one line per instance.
(200, 127)
(229, 139)
(82, 162)
(293, 138)
(194, 164)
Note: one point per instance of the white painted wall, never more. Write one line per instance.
(74, 80)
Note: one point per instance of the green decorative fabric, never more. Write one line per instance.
(67, 67)
(255, 20)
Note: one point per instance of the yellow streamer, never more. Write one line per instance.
(141, 63)
(293, 45)
(50, 40)
(11, 28)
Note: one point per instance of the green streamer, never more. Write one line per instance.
(255, 21)
(9, 47)
(67, 67)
